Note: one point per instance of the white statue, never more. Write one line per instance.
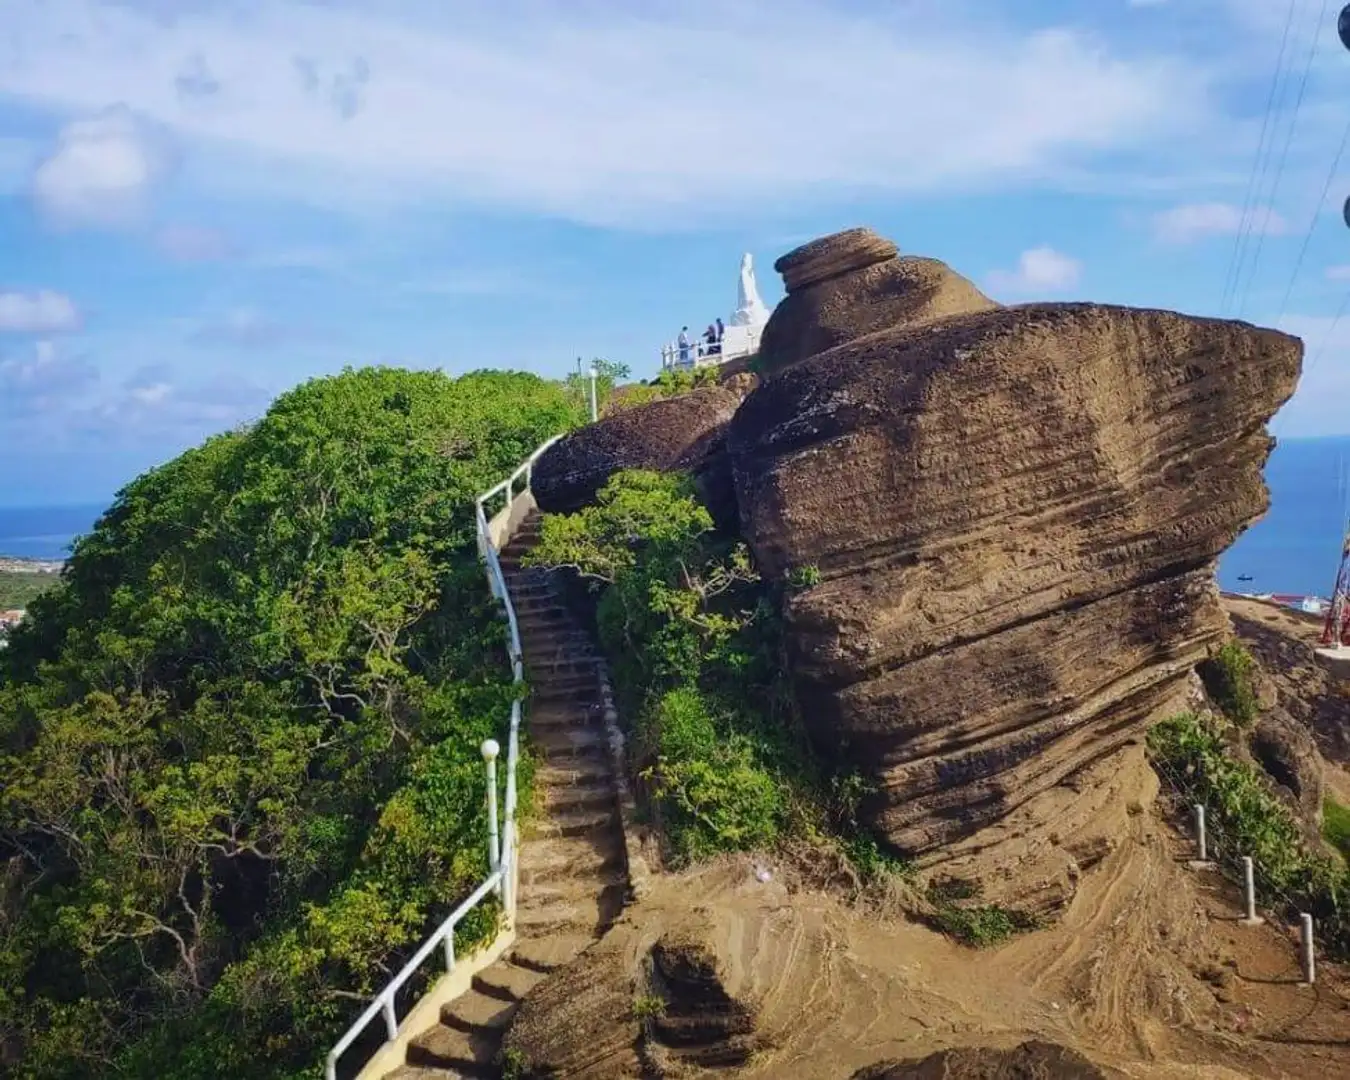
(750, 309)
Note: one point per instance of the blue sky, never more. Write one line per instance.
(203, 202)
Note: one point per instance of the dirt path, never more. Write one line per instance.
(1148, 972)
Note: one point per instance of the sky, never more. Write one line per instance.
(205, 202)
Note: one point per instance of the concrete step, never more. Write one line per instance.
(546, 954)
(546, 861)
(470, 1053)
(572, 891)
(556, 714)
(559, 746)
(576, 772)
(531, 607)
(582, 822)
(562, 635)
(591, 915)
(562, 661)
(555, 695)
(563, 678)
(544, 620)
(475, 1011)
(506, 981)
(423, 1072)
(572, 799)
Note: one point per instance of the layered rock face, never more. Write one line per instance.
(687, 432)
(852, 283)
(1015, 514)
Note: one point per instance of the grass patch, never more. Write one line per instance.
(1229, 677)
(1336, 826)
(980, 926)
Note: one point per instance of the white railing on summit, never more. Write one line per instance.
(502, 851)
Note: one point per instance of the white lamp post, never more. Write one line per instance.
(490, 751)
(595, 413)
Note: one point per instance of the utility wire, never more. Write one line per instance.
(1312, 224)
(1284, 153)
(1238, 245)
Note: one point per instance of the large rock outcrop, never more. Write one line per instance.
(1014, 514)
(1032, 1060)
(682, 433)
(852, 283)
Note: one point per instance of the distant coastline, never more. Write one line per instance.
(44, 534)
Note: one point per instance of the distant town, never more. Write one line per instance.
(20, 581)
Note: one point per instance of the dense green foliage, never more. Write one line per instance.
(1229, 676)
(238, 766)
(670, 383)
(19, 588)
(696, 642)
(1246, 818)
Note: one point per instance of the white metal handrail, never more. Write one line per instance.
(502, 853)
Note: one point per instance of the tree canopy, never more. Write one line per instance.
(238, 767)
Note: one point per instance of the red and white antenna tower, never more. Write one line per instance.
(1337, 630)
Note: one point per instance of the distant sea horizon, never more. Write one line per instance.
(1294, 549)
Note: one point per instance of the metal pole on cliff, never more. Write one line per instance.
(1306, 936)
(1201, 861)
(1249, 890)
(595, 413)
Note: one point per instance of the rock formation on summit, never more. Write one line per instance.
(686, 432)
(1015, 514)
(852, 283)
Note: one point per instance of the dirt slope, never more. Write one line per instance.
(1147, 973)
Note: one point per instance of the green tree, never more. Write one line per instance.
(238, 765)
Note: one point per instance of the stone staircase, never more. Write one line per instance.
(573, 878)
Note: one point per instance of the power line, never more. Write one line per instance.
(1284, 152)
(1234, 263)
(1316, 216)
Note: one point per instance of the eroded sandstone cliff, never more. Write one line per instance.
(686, 432)
(1015, 514)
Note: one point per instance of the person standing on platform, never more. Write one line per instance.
(684, 345)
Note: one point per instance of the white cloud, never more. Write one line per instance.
(101, 171)
(1338, 273)
(42, 381)
(41, 312)
(1194, 221)
(241, 326)
(600, 113)
(1039, 271)
(191, 243)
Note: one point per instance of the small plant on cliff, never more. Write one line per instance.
(648, 1007)
(978, 925)
(513, 1064)
(1246, 818)
(1229, 676)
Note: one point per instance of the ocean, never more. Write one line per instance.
(1295, 548)
(44, 532)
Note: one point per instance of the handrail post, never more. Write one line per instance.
(490, 750)
(390, 1018)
